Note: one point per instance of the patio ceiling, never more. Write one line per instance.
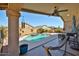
(3, 6)
(47, 9)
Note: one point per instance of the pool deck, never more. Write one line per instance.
(39, 51)
(36, 49)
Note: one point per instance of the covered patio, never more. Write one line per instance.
(13, 14)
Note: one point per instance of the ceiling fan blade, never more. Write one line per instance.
(63, 10)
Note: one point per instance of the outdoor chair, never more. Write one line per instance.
(63, 43)
(73, 42)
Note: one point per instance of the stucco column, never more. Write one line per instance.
(67, 22)
(68, 26)
(13, 31)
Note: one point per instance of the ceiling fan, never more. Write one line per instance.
(56, 11)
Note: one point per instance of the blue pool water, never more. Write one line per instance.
(36, 37)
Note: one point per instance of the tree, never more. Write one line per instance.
(58, 29)
(40, 30)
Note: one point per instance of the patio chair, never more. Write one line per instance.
(64, 42)
(73, 42)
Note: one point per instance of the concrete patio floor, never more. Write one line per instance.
(39, 51)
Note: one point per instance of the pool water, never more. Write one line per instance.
(36, 37)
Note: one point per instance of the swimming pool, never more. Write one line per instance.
(35, 38)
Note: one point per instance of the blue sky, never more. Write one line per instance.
(3, 18)
(33, 19)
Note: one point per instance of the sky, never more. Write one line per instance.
(33, 19)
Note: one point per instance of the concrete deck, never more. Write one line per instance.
(39, 51)
(36, 49)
